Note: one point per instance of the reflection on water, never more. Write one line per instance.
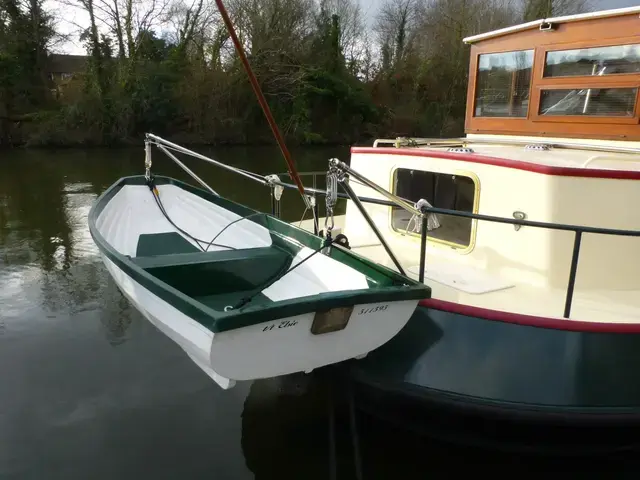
(48, 260)
(91, 390)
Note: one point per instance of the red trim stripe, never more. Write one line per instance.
(504, 162)
(529, 320)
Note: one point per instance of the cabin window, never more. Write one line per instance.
(502, 85)
(618, 59)
(441, 190)
(606, 102)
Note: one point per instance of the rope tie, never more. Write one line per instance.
(432, 219)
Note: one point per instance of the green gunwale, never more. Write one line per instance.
(402, 288)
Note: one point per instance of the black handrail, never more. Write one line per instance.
(578, 230)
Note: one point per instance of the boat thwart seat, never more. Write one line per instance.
(201, 274)
(217, 257)
(151, 244)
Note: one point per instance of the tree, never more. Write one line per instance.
(26, 33)
(396, 24)
(540, 9)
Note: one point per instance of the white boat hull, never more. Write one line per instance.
(269, 349)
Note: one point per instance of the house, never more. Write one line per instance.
(61, 69)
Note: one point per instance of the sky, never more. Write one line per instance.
(371, 6)
(72, 17)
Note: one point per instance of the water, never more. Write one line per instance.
(91, 390)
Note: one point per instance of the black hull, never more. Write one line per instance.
(506, 386)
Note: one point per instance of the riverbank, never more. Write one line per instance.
(185, 139)
(38, 138)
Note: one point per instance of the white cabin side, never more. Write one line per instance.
(535, 256)
(552, 130)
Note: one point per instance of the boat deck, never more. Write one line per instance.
(580, 158)
(573, 158)
(488, 291)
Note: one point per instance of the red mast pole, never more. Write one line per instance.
(263, 102)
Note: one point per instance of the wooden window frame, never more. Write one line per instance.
(477, 72)
(617, 80)
(611, 42)
(568, 37)
(599, 119)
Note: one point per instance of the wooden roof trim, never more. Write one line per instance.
(564, 19)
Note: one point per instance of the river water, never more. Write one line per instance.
(91, 390)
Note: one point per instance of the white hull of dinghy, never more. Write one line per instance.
(269, 349)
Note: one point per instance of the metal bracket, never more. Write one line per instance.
(518, 215)
(312, 200)
(538, 146)
(344, 172)
(460, 150)
(147, 159)
(273, 181)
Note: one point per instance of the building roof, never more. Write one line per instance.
(565, 19)
(59, 63)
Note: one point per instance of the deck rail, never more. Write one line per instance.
(578, 230)
(401, 142)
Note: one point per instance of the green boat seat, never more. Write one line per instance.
(201, 274)
(150, 244)
(200, 257)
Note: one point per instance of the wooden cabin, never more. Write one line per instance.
(553, 136)
(568, 77)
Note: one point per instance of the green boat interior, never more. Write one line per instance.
(224, 277)
(215, 278)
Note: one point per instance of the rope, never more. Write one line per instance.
(431, 218)
(284, 271)
(156, 196)
(311, 205)
(303, 215)
(228, 225)
(277, 277)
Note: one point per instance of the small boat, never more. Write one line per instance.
(246, 295)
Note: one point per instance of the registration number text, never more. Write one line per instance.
(368, 310)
